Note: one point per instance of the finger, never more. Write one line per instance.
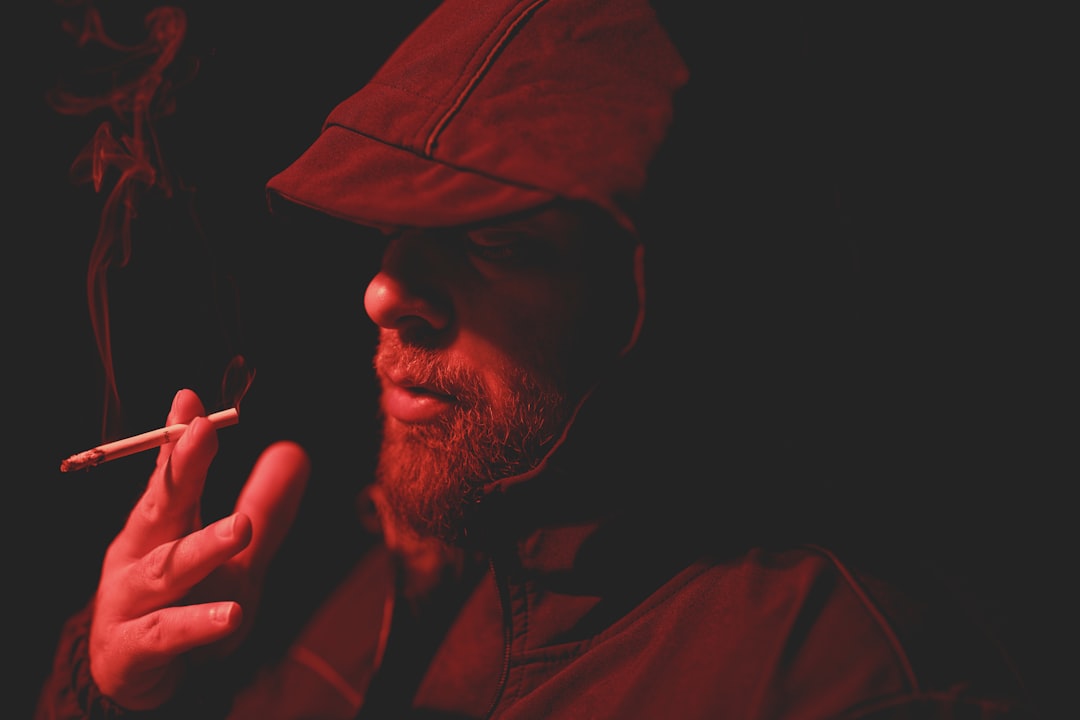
(271, 499)
(185, 406)
(168, 572)
(169, 507)
(134, 656)
(168, 632)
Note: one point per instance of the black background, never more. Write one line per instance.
(915, 148)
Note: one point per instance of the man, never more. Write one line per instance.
(552, 547)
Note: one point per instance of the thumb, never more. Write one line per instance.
(271, 498)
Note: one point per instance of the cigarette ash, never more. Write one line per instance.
(83, 460)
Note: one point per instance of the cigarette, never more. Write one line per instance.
(145, 441)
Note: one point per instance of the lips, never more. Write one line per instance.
(414, 403)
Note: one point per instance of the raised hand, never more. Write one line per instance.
(170, 586)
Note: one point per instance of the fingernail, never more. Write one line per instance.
(220, 614)
(226, 528)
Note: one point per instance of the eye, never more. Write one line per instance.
(501, 246)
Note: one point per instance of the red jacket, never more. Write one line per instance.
(583, 621)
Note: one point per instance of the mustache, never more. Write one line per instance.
(421, 366)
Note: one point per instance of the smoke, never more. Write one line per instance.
(132, 84)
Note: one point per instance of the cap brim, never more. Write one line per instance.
(355, 178)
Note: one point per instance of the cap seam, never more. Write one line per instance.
(444, 163)
(474, 80)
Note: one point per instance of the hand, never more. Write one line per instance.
(169, 585)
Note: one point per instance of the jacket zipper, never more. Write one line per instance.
(503, 588)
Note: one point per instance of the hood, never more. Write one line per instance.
(491, 107)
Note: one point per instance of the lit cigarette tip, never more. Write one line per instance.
(144, 441)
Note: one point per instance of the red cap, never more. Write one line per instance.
(490, 107)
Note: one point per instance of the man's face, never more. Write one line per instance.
(488, 339)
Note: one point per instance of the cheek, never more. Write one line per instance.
(535, 332)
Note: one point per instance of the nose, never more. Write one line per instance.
(404, 293)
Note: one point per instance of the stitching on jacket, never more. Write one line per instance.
(326, 671)
(565, 651)
(875, 612)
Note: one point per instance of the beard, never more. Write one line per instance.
(432, 476)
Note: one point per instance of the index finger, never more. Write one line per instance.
(169, 506)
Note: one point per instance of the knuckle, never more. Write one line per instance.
(158, 564)
(151, 630)
(151, 511)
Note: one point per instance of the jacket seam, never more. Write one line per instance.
(875, 612)
(570, 650)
